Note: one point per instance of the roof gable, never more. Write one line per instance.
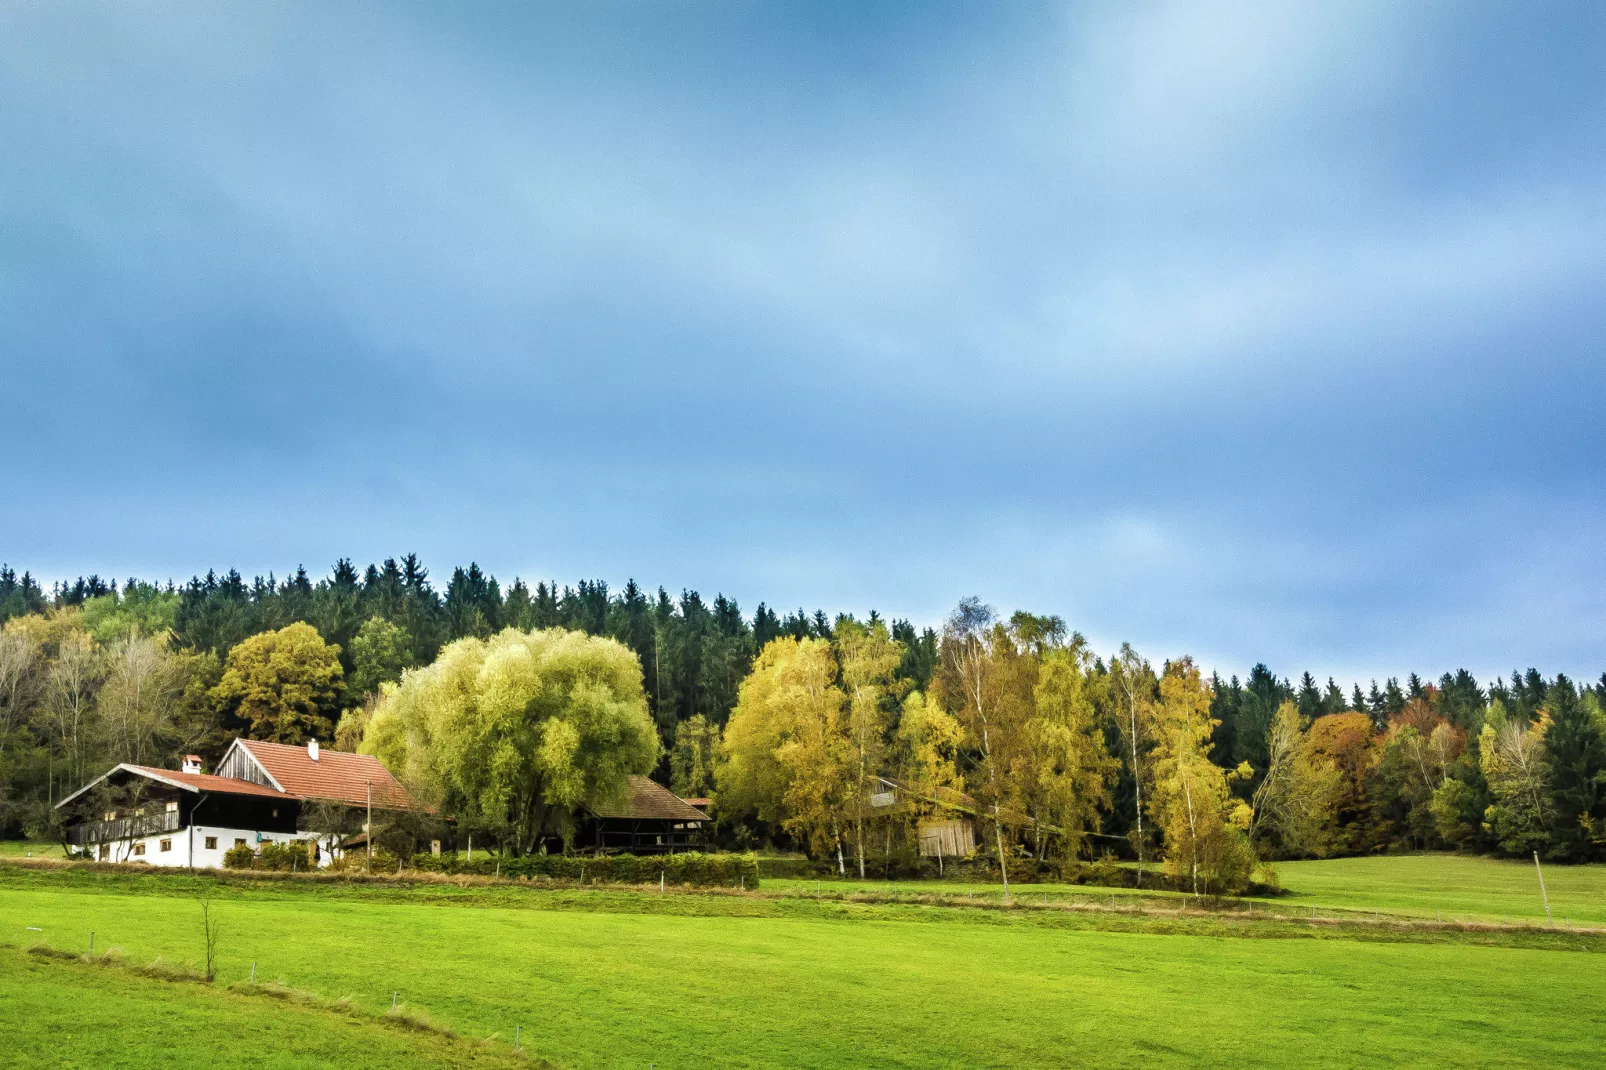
(337, 776)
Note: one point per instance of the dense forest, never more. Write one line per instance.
(787, 720)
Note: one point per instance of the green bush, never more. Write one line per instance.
(285, 856)
(357, 860)
(296, 856)
(689, 868)
(796, 867)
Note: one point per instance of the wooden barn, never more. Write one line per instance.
(650, 819)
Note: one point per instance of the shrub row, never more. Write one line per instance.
(691, 867)
(1107, 872)
(285, 856)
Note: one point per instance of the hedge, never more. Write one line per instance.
(690, 867)
(293, 856)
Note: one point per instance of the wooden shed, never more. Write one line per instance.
(649, 819)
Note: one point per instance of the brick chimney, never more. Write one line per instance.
(312, 749)
(192, 763)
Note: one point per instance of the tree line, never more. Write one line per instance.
(799, 727)
(203, 654)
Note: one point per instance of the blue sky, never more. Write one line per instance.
(1262, 332)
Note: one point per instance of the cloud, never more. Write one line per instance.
(1216, 328)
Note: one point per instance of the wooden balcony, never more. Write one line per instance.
(125, 828)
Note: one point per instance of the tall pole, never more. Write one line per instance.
(369, 828)
(1548, 919)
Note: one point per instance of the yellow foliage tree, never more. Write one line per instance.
(869, 659)
(1071, 770)
(286, 685)
(1204, 826)
(788, 756)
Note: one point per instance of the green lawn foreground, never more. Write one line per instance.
(876, 987)
(65, 1015)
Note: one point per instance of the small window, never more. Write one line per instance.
(239, 841)
(172, 807)
(211, 843)
(167, 845)
(275, 811)
(111, 815)
(139, 850)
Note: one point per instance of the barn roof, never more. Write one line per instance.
(335, 776)
(650, 800)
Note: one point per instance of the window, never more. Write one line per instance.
(239, 841)
(166, 845)
(111, 815)
(139, 850)
(172, 807)
(211, 843)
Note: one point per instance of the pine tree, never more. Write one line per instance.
(1333, 701)
(1310, 698)
(1575, 751)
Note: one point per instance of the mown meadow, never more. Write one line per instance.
(65, 1016)
(623, 978)
(1428, 886)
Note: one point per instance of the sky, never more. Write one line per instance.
(1261, 332)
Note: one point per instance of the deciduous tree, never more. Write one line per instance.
(1204, 826)
(692, 759)
(380, 652)
(788, 756)
(986, 683)
(1072, 771)
(869, 659)
(515, 733)
(285, 685)
(1512, 756)
(138, 699)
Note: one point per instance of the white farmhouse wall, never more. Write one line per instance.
(204, 857)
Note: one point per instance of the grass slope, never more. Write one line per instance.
(1457, 885)
(69, 1015)
(1461, 887)
(622, 979)
(30, 849)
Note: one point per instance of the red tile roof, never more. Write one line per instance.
(650, 800)
(207, 782)
(337, 776)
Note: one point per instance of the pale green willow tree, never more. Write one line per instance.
(514, 733)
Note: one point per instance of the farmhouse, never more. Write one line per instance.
(184, 817)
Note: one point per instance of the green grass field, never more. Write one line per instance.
(1458, 886)
(628, 979)
(64, 1015)
(1454, 887)
(28, 848)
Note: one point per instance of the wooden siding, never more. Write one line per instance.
(948, 839)
(239, 764)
